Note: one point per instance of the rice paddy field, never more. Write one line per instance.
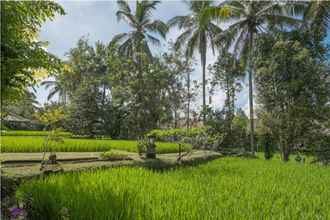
(227, 188)
(15, 144)
(31, 133)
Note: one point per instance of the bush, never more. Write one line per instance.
(113, 155)
(196, 137)
(176, 133)
(323, 150)
(266, 142)
(141, 146)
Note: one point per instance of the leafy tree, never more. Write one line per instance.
(84, 109)
(137, 40)
(21, 53)
(52, 116)
(25, 106)
(247, 20)
(317, 18)
(181, 93)
(143, 90)
(197, 34)
(293, 90)
(226, 71)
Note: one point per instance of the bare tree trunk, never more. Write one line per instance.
(285, 151)
(251, 95)
(175, 118)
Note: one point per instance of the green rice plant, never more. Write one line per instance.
(228, 188)
(32, 133)
(34, 144)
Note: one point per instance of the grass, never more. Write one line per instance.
(11, 144)
(228, 188)
(31, 133)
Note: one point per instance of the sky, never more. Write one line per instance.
(97, 21)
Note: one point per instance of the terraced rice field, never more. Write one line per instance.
(35, 144)
(227, 188)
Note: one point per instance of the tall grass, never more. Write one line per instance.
(31, 133)
(229, 188)
(35, 144)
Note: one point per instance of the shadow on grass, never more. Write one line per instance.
(161, 165)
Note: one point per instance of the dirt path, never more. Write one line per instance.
(27, 170)
(38, 156)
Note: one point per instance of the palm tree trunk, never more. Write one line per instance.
(103, 94)
(251, 94)
(203, 62)
(188, 106)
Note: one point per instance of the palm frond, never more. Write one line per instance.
(283, 20)
(47, 84)
(181, 21)
(53, 92)
(144, 8)
(158, 27)
(318, 14)
(182, 39)
(153, 40)
(126, 48)
(118, 38)
(123, 6)
(128, 17)
(213, 31)
(192, 44)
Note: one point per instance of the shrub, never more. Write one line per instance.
(113, 155)
(266, 142)
(176, 133)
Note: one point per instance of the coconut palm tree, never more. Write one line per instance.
(197, 35)
(247, 19)
(143, 28)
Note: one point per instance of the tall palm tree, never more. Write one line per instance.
(247, 19)
(143, 28)
(197, 34)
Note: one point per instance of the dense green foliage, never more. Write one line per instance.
(22, 55)
(248, 20)
(35, 144)
(292, 110)
(113, 155)
(229, 188)
(176, 133)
